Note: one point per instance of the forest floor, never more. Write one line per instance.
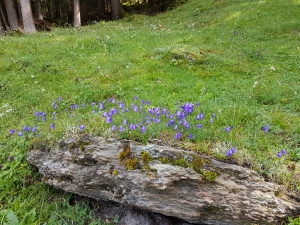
(220, 78)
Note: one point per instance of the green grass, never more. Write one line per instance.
(239, 59)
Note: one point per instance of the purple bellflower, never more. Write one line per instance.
(121, 129)
(121, 105)
(265, 128)
(108, 119)
(281, 153)
(188, 108)
(230, 152)
(177, 135)
(132, 126)
(199, 126)
(26, 129)
(143, 129)
(228, 129)
(200, 116)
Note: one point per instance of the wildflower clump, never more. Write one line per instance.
(139, 120)
(135, 120)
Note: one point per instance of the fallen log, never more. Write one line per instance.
(165, 180)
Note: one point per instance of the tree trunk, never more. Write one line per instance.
(57, 9)
(19, 13)
(116, 9)
(70, 15)
(49, 10)
(38, 14)
(101, 8)
(12, 14)
(28, 22)
(2, 15)
(77, 20)
(84, 17)
(1, 27)
(152, 3)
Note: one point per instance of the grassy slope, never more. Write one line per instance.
(240, 59)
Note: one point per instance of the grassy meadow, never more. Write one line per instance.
(208, 76)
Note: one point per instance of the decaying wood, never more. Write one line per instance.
(90, 167)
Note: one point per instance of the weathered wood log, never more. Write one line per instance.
(131, 174)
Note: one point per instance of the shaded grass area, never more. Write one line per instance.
(239, 59)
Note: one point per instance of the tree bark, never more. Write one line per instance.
(152, 3)
(1, 27)
(77, 20)
(116, 9)
(38, 14)
(12, 14)
(84, 17)
(19, 13)
(70, 15)
(101, 8)
(28, 22)
(2, 15)
(49, 10)
(57, 9)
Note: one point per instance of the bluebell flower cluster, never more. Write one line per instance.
(281, 153)
(186, 121)
(178, 135)
(228, 129)
(39, 115)
(230, 152)
(265, 128)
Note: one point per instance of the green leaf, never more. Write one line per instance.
(116, 219)
(29, 217)
(11, 218)
(67, 198)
